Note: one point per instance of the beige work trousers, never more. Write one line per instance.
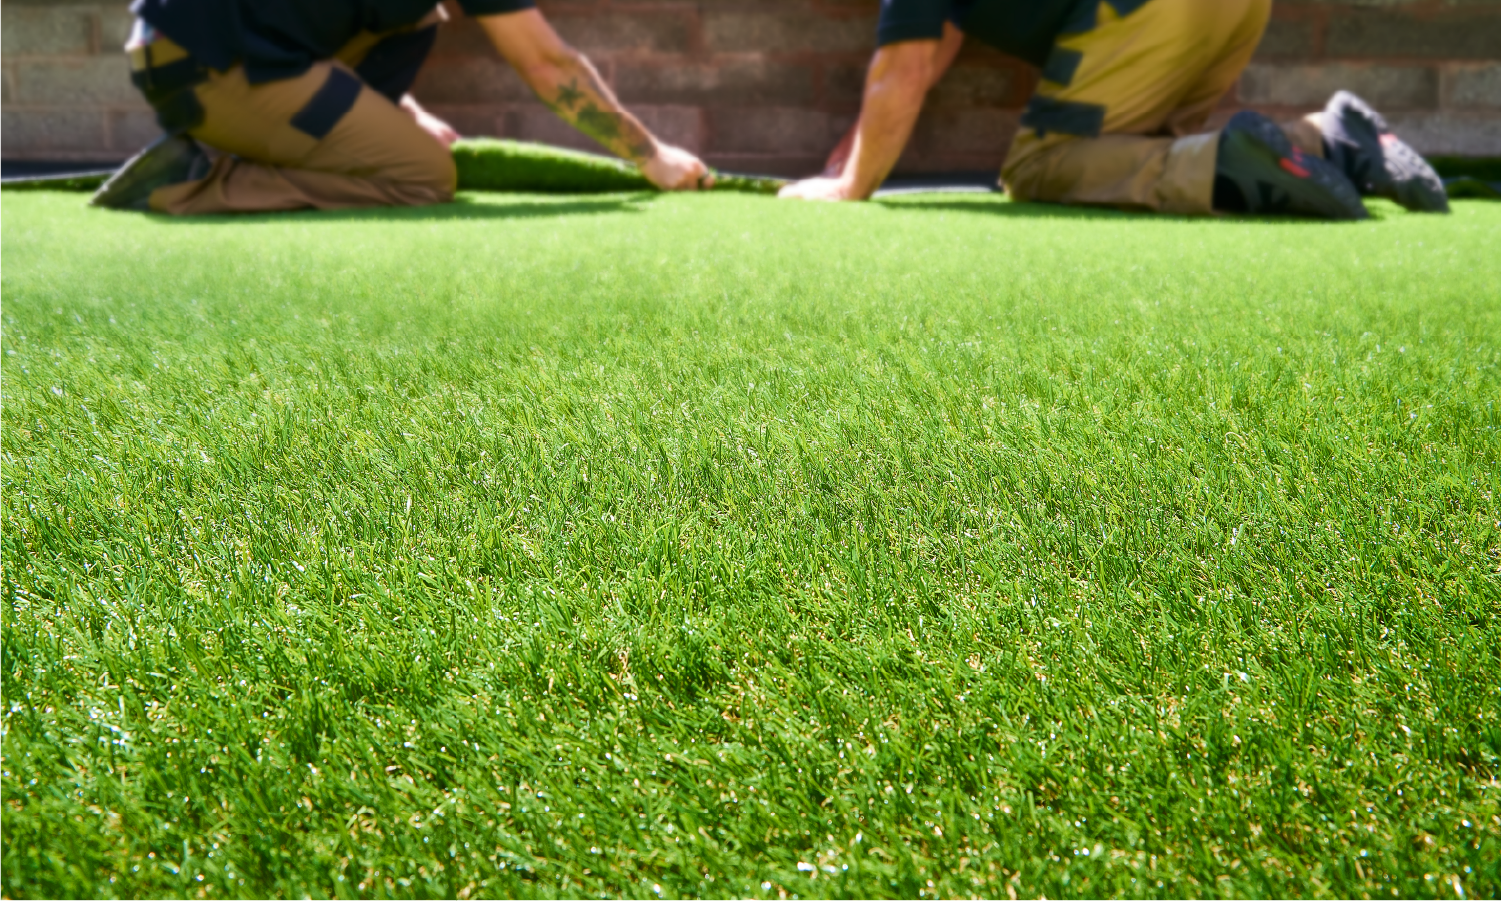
(376, 155)
(1158, 72)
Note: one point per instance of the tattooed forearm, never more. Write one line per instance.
(611, 129)
(584, 102)
(569, 96)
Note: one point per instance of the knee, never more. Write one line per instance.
(432, 179)
(445, 175)
(1025, 173)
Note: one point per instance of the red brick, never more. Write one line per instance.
(462, 37)
(1449, 133)
(30, 134)
(472, 121)
(680, 125)
(767, 31)
(753, 82)
(1286, 40)
(1389, 87)
(1380, 34)
(130, 130)
(1476, 87)
(625, 32)
(76, 83)
(774, 130)
(844, 84)
(983, 133)
(964, 87)
(46, 31)
(474, 80)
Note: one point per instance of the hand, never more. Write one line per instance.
(675, 169)
(441, 131)
(821, 189)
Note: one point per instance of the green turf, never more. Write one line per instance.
(492, 164)
(669, 545)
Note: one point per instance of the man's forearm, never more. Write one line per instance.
(574, 90)
(894, 92)
(565, 81)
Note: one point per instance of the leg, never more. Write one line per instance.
(322, 140)
(1202, 99)
(1110, 121)
(1126, 171)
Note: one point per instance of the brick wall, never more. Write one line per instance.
(66, 91)
(769, 86)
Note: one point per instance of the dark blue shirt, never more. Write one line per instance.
(282, 38)
(1025, 29)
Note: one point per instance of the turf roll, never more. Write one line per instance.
(489, 164)
(492, 164)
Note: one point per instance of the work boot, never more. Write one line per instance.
(1361, 144)
(1259, 171)
(171, 159)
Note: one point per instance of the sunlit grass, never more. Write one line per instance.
(648, 546)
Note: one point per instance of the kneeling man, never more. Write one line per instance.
(306, 104)
(1126, 89)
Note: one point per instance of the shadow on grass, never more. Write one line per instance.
(994, 206)
(460, 209)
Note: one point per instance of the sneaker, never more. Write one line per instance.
(1359, 141)
(1273, 176)
(169, 160)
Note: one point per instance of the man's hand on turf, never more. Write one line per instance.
(569, 84)
(441, 131)
(821, 189)
(675, 169)
(899, 78)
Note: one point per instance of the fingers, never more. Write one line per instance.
(817, 188)
(807, 189)
(691, 174)
(673, 169)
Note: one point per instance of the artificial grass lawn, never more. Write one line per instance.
(719, 545)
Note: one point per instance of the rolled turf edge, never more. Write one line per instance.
(496, 164)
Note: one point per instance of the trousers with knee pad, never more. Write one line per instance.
(330, 138)
(1119, 113)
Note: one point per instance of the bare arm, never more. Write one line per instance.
(566, 81)
(894, 89)
(948, 48)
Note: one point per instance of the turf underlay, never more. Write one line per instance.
(667, 545)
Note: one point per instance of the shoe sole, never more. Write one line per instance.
(1314, 187)
(162, 163)
(1397, 172)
